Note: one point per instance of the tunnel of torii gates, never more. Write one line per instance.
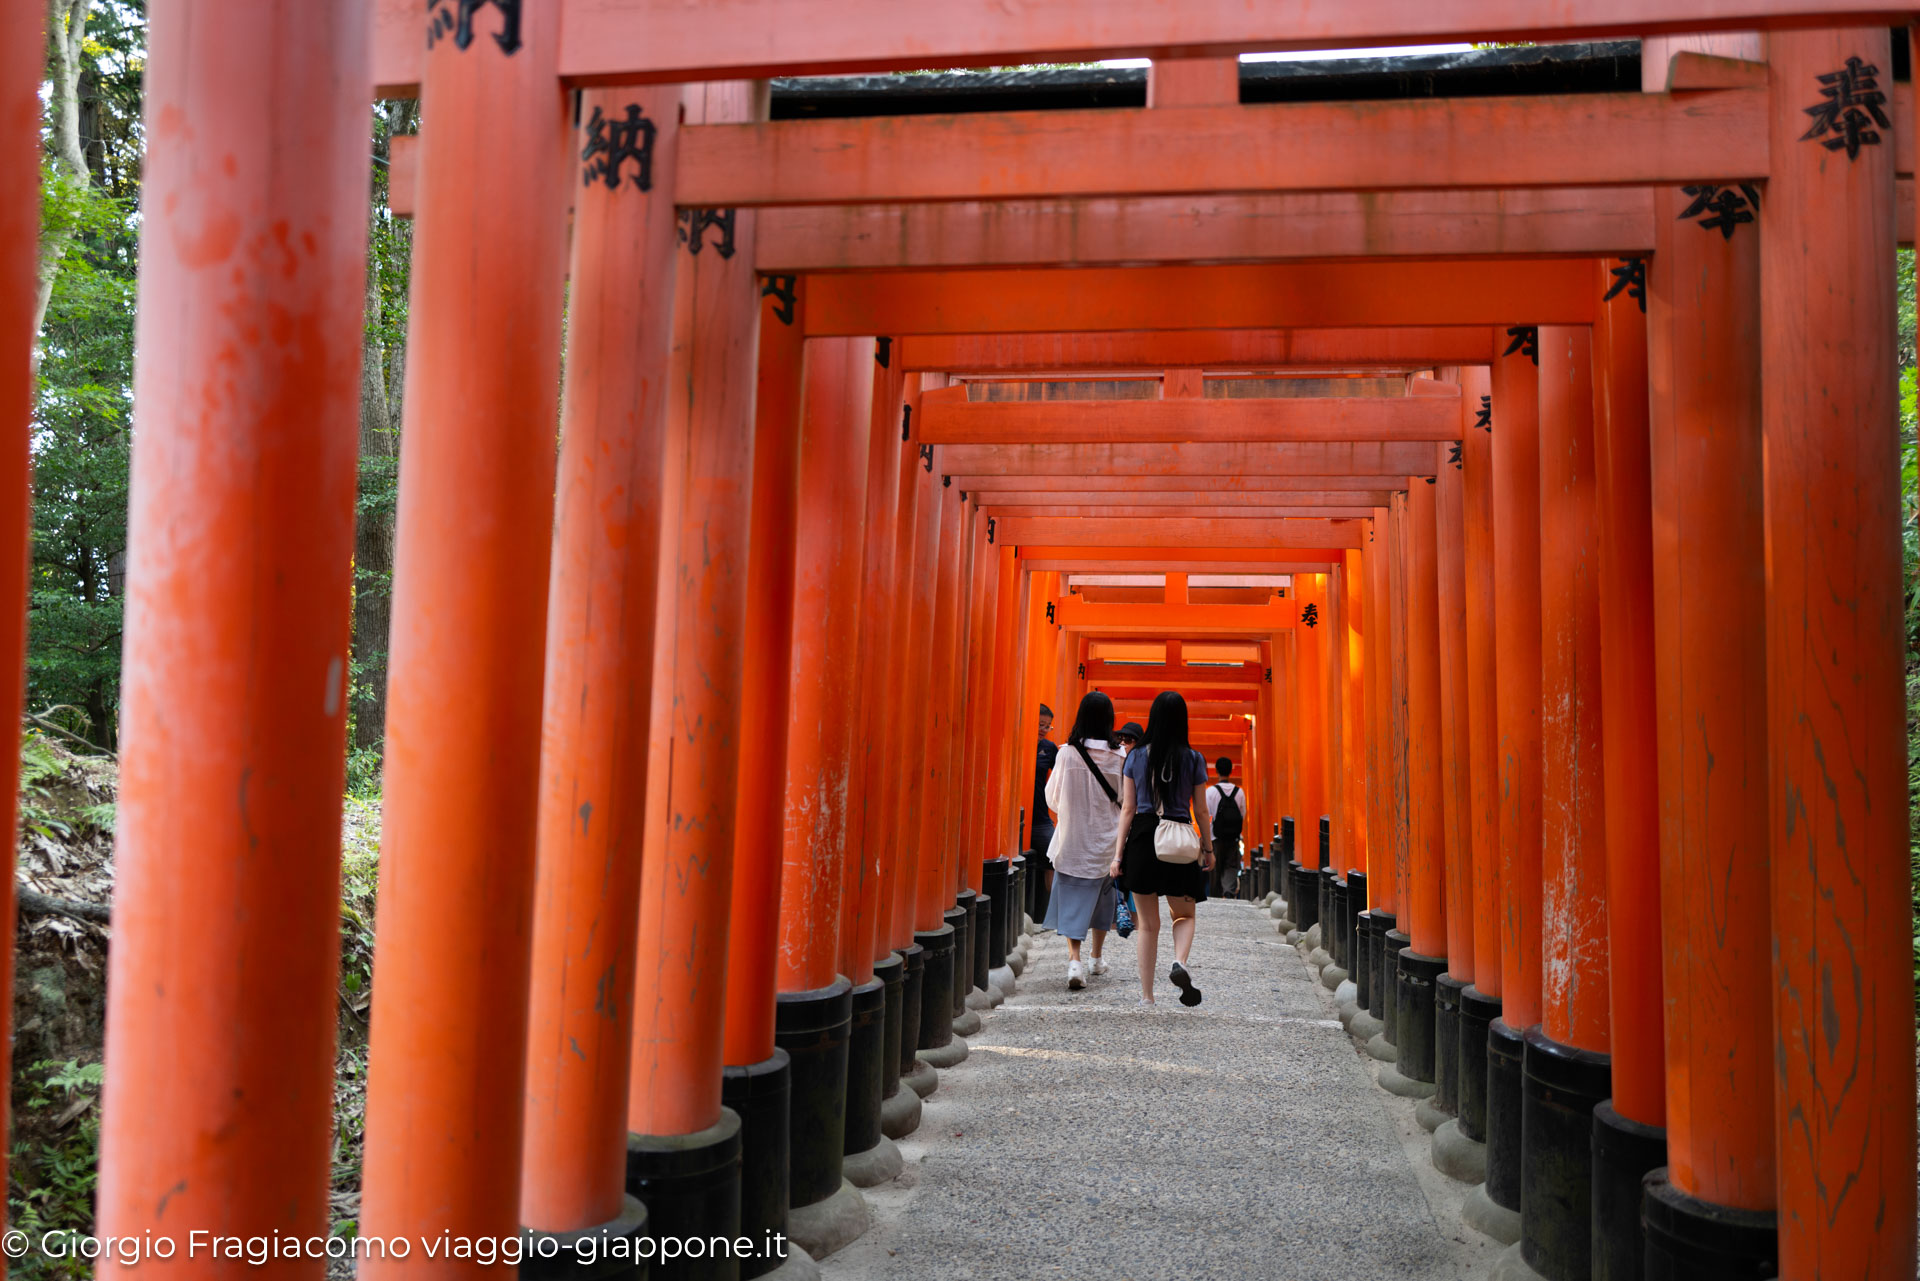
(1510, 483)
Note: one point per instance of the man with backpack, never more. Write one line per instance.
(1227, 810)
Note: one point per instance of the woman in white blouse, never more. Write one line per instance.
(1084, 792)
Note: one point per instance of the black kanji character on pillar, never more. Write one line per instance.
(782, 290)
(1049, 611)
(459, 21)
(1526, 341)
(1269, 676)
(691, 230)
(611, 143)
(926, 457)
(1453, 454)
(1851, 109)
(1083, 671)
(1719, 208)
(1310, 615)
(906, 422)
(1484, 418)
(1630, 275)
(883, 351)
(990, 524)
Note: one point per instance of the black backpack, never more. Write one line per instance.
(1227, 819)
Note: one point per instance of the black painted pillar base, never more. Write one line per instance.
(1414, 1032)
(996, 876)
(1395, 943)
(866, 1066)
(913, 970)
(1323, 908)
(892, 973)
(960, 917)
(760, 1093)
(1016, 900)
(936, 990)
(1306, 912)
(1693, 1240)
(1338, 897)
(1477, 1013)
(690, 1184)
(618, 1249)
(1506, 1052)
(1446, 1043)
(1624, 1153)
(1561, 1086)
(815, 1028)
(981, 929)
(1364, 943)
(1379, 968)
(1356, 909)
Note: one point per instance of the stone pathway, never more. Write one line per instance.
(1087, 1136)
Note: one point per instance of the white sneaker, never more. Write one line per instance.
(1076, 976)
(1099, 965)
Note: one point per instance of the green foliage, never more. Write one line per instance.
(54, 1161)
(83, 401)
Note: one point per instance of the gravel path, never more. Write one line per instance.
(1086, 1136)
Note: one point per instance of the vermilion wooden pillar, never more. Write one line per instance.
(1480, 1002)
(225, 957)
(1332, 638)
(817, 1005)
(1483, 793)
(1709, 614)
(469, 613)
(896, 912)
(1422, 961)
(674, 1106)
(1002, 713)
(1843, 974)
(756, 1082)
(1456, 782)
(1567, 1065)
(599, 687)
(1627, 1141)
(20, 69)
(1515, 411)
(1311, 656)
(1396, 558)
(1354, 709)
(823, 700)
(1380, 879)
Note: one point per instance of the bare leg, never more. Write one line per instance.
(1146, 933)
(1182, 909)
(1099, 941)
(1073, 949)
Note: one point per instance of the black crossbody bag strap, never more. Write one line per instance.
(1098, 777)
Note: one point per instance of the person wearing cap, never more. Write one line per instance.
(1129, 736)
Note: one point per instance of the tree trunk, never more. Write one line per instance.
(66, 40)
(373, 545)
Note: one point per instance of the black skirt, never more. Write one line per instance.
(1142, 872)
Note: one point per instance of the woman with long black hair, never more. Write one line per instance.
(1084, 791)
(1160, 851)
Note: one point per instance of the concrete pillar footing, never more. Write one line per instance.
(1002, 981)
(900, 1111)
(1332, 977)
(1364, 1026)
(879, 1164)
(1457, 1156)
(1429, 1115)
(1393, 1081)
(944, 1056)
(967, 1024)
(1382, 1049)
(980, 998)
(799, 1266)
(923, 1080)
(1490, 1219)
(831, 1225)
(1511, 1267)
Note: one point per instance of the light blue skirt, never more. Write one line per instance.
(1080, 903)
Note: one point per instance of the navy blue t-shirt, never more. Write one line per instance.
(1042, 767)
(1176, 793)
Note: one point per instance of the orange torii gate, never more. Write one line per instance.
(1804, 985)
